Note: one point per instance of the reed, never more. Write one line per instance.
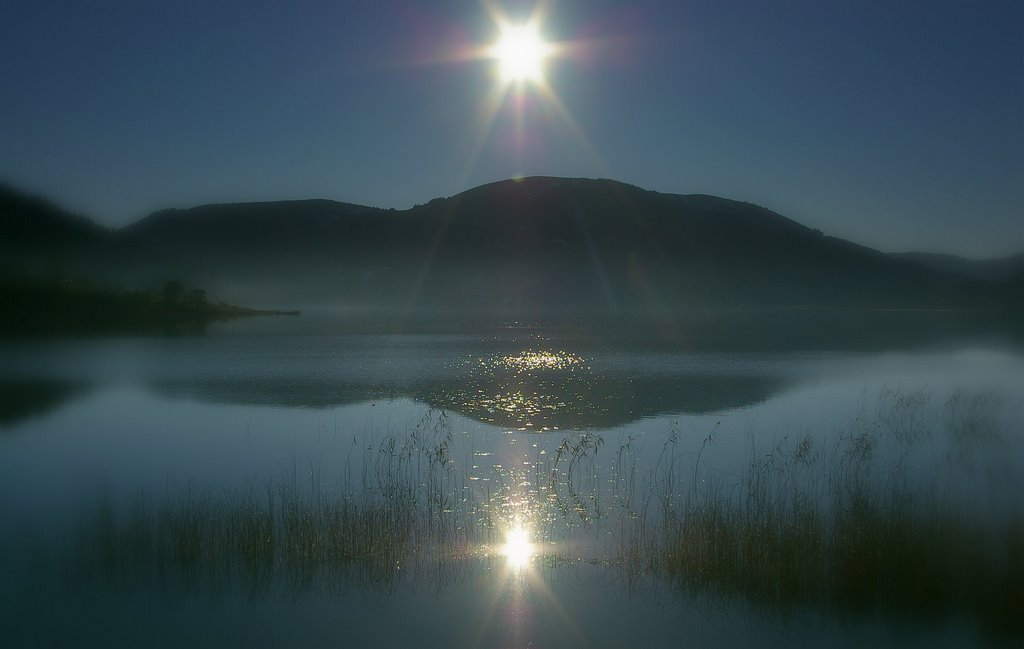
(806, 526)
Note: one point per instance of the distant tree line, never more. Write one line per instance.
(60, 305)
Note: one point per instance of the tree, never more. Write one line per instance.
(173, 292)
(197, 299)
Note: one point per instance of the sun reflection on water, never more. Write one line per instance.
(533, 389)
(529, 361)
(518, 549)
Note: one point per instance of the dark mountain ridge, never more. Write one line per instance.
(265, 225)
(30, 220)
(525, 248)
(40, 239)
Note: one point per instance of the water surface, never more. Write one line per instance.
(593, 445)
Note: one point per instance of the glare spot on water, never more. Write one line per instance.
(518, 549)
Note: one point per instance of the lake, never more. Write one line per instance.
(297, 482)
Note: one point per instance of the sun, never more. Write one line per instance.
(521, 52)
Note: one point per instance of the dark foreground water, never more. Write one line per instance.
(281, 483)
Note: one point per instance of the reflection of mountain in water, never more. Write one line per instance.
(514, 377)
(21, 400)
(545, 390)
(606, 403)
(534, 390)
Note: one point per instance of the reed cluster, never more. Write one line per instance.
(806, 528)
(844, 526)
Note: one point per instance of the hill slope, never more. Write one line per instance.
(40, 237)
(541, 245)
(1001, 269)
(519, 249)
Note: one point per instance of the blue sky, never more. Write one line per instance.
(897, 125)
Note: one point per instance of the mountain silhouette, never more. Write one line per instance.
(28, 220)
(999, 269)
(526, 249)
(38, 237)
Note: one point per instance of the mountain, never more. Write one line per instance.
(528, 249)
(40, 236)
(541, 245)
(1001, 269)
(29, 220)
(251, 227)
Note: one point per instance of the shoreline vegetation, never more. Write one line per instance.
(842, 529)
(38, 307)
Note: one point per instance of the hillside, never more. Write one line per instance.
(38, 237)
(27, 220)
(1000, 269)
(524, 248)
(530, 249)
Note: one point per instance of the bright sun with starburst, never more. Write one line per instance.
(525, 57)
(521, 53)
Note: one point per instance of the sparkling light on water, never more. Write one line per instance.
(540, 360)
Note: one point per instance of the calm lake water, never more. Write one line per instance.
(576, 440)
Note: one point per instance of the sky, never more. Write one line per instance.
(898, 125)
